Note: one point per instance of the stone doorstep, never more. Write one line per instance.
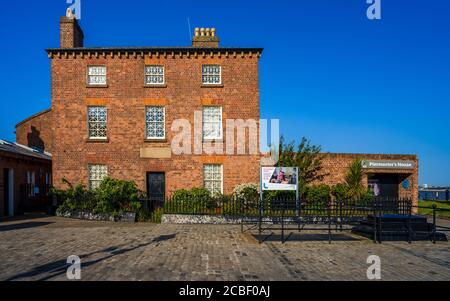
(124, 218)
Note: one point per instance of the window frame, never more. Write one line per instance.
(163, 75)
(220, 137)
(95, 84)
(147, 122)
(106, 124)
(221, 177)
(220, 75)
(90, 180)
(31, 183)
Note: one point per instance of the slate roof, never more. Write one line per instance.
(15, 148)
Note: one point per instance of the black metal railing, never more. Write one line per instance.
(434, 219)
(229, 206)
(276, 207)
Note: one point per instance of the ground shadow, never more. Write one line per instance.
(23, 217)
(28, 225)
(304, 237)
(60, 267)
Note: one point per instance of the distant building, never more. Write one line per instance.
(434, 193)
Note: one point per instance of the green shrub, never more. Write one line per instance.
(117, 195)
(112, 197)
(246, 199)
(200, 193)
(318, 194)
(279, 194)
(152, 217)
(156, 216)
(340, 192)
(75, 198)
(247, 191)
(196, 200)
(181, 195)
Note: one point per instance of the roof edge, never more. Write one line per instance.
(33, 116)
(369, 154)
(145, 49)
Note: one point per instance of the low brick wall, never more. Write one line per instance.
(125, 218)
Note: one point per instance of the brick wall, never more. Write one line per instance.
(126, 97)
(36, 131)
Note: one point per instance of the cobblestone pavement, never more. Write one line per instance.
(37, 249)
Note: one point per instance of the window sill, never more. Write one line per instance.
(155, 140)
(213, 140)
(96, 86)
(93, 140)
(155, 86)
(212, 86)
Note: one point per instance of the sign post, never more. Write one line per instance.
(279, 179)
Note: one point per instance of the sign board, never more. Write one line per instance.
(388, 164)
(279, 178)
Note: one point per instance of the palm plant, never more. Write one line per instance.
(354, 180)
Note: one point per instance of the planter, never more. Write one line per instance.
(128, 217)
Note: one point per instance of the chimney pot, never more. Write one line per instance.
(205, 38)
(69, 13)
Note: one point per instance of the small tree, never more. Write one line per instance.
(353, 180)
(306, 157)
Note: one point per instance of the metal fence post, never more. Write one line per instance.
(329, 222)
(409, 204)
(375, 221)
(283, 202)
(434, 223)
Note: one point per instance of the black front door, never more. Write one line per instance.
(6, 192)
(156, 186)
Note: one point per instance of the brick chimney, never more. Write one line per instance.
(205, 38)
(71, 34)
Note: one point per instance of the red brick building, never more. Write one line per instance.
(113, 109)
(116, 112)
(25, 178)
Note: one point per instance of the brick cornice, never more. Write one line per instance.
(151, 53)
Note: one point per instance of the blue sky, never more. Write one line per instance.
(328, 73)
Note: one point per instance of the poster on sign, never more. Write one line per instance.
(279, 178)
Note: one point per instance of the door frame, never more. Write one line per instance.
(9, 201)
